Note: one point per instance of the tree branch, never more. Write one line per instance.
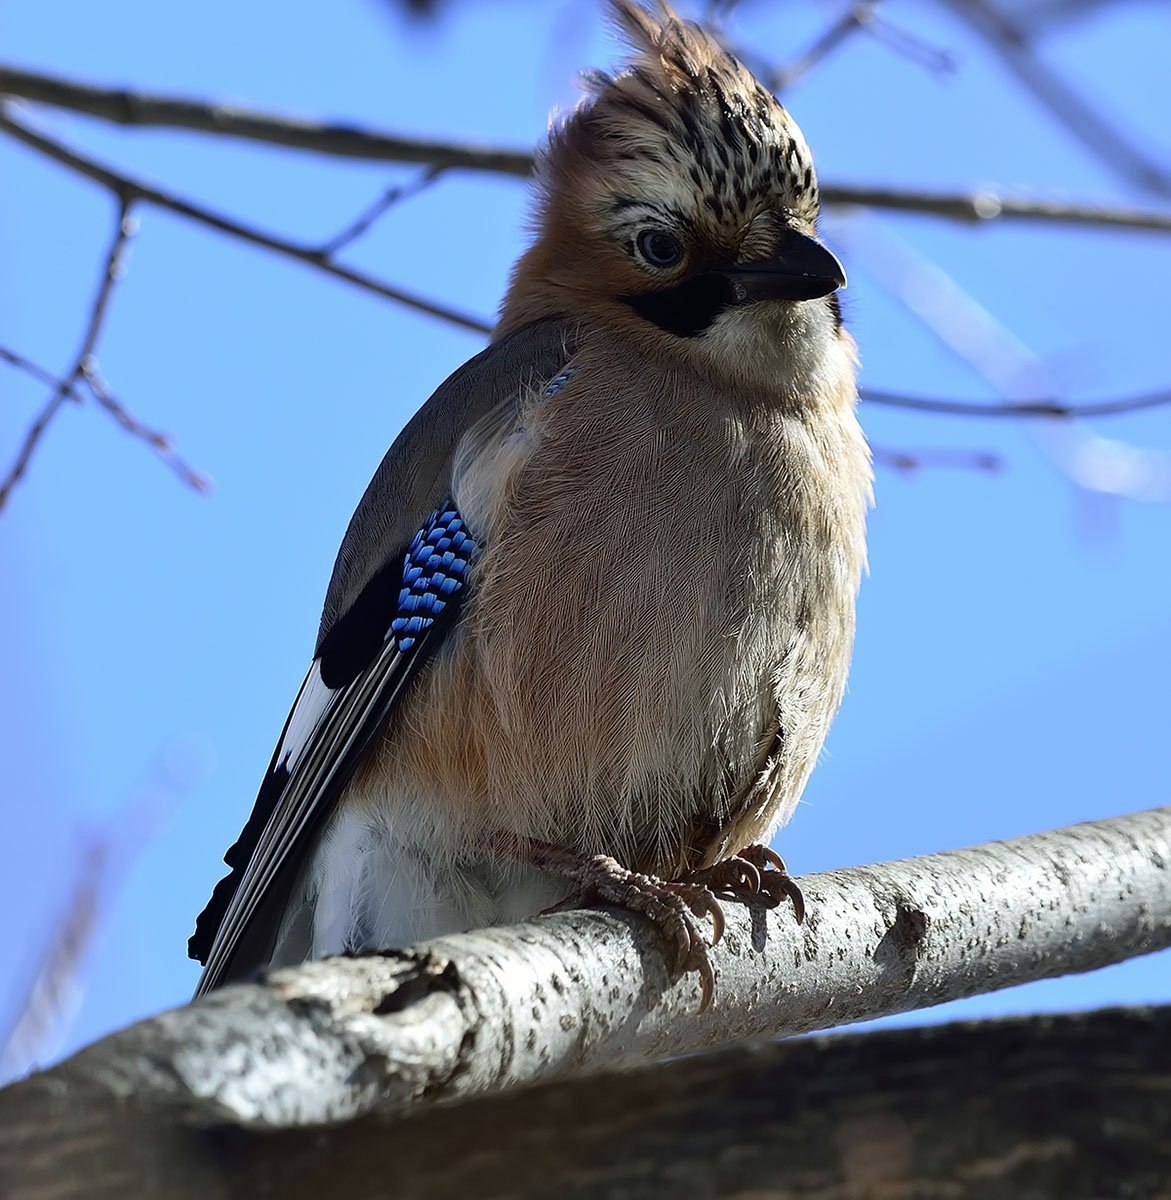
(65, 388)
(1071, 1106)
(131, 189)
(141, 109)
(345, 141)
(577, 991)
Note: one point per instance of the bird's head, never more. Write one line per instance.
(679, 192)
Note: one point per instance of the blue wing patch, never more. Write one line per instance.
(558, 382)
(435, 569)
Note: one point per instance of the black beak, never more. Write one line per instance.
(802, 269)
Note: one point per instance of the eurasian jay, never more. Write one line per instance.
(593, 616)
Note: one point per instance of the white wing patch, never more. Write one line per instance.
(310, 706)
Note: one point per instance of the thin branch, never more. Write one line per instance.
(39, 373)
(158, 441)
(917, 49)
(100, 391)
(32, 439)
(987, 205)
(862, 16)
(856, 17)
(1019, 409)
(388, 199)
(573, 992)
(112, 268)
(129, 188)
(347, 141)
(144, 110)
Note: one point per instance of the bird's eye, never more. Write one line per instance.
(659, 248)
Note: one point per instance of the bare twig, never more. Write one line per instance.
(158, 441)
(386, 201)
(856, 17)
(65, 387)
(141, 109)
(39, 373)
(100, 391)
(129, 188)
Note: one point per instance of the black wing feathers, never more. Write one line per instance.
(384, 616)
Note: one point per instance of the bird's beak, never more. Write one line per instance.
(802, 269)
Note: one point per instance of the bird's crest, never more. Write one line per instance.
(683, 114)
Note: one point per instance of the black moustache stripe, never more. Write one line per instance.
(687, 309)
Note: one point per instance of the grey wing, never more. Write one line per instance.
(394, 593)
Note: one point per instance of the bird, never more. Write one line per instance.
(592, 618)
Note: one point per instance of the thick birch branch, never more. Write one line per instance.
(144, 110)
(578, 991)
(1072, 1106)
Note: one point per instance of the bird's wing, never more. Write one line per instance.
(395, 591)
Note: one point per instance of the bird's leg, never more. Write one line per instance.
(754, 873)
(671, 907)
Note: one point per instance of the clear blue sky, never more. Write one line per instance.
(1014, 648)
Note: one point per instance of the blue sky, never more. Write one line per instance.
(1013, 654)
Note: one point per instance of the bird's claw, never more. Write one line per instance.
(756, 873)
(672, 907)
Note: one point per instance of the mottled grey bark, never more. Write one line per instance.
(578, 991)
(1076, 1107)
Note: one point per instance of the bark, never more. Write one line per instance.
(578, 991)
(1071, 1106)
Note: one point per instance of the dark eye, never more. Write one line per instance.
(659, 248)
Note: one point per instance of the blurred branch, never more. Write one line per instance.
(52, 989)
(65, 387)
(42, 1013)
(987, 205)
(910, 462)
(129, 189)
(99, 390)
(856, 17)
(973, 333)
(1019, 409)
(141, 109)
(862, 16)
(1012, 42)
(573, 992)
(39, 373)
(1071, 1106)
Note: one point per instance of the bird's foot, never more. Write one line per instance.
(675, 909)
(755, 873)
